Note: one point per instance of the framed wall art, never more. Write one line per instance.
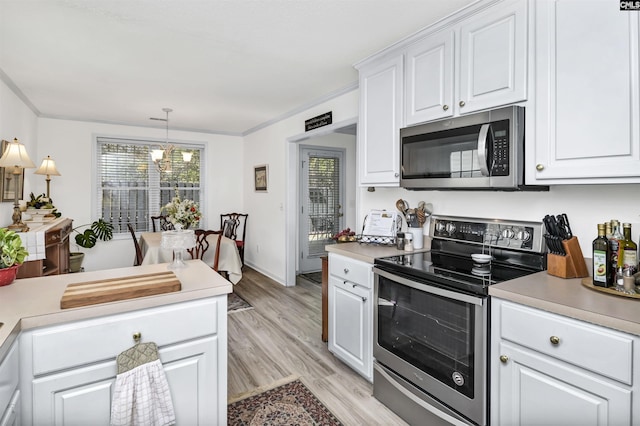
(8, 181)
(260, 174)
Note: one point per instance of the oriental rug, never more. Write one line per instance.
(288, 404)
(236, 303)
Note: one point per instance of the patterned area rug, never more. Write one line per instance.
(289, 404)
(314, 277)
(236, 303)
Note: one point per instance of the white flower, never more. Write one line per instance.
(184, 212)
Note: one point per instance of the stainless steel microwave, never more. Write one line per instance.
(481, 151)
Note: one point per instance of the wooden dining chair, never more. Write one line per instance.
(161, 223)
(139, 256)
(203, 243)
(234, 226)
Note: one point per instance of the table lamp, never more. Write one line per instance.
(48, 168)
(15, 156)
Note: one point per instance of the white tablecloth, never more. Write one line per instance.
(228, 262)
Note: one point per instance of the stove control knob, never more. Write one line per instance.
(524, 236)
(440, 227)
(508, 233)
(451, 228)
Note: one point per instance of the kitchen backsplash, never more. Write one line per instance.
(585, 205)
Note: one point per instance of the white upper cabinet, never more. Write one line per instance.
(493, 58)
(429, 78)
(485, 55)
(587, 91)
(379, 122)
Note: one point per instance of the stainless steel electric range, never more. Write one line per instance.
(431, 318)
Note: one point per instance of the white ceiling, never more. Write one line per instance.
(224, 66)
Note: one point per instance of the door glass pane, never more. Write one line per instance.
(431, 332)
(323, 201)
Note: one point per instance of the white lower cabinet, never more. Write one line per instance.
(351, 313)
(9, 392)
(547, 369)
(69, 371)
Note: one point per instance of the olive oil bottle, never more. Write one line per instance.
(628, 252)
(601, 259)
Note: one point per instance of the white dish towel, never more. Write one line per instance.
(141, 397)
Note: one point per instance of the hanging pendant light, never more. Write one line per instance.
(162, 156)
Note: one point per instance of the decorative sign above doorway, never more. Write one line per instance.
(319, 121)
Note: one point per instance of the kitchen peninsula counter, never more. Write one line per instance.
(570, 298)
(35, 302)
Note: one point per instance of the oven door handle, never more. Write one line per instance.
(415, 399)
(431, 288)
(482, 149)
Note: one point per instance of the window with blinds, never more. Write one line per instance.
(131, 189)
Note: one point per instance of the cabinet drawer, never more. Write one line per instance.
(350, 270)
(601, 350)
(70, 345)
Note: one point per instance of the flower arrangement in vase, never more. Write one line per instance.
(183, 213)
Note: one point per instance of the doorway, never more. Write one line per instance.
(321, 203)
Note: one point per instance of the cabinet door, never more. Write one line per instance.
(493, 58)
(587, 93)
(429, 78)
(380, 121)
(82, 396)
(11, 415)
(350, 325)
(536, 390)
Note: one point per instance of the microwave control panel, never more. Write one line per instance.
(500, 153)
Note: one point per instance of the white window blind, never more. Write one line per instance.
(130, 187)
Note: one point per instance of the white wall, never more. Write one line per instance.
(71, 145)
(16, 121)
(267, 226)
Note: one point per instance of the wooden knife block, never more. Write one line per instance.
(572, 265)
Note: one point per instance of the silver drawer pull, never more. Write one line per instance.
(364, 299)
(554, 340)
(504, 359)
(346, 270)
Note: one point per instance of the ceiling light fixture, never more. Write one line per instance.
(162, 155)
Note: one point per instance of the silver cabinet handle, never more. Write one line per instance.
(539, 167)
(445, 107)
(397, 174)
(364, 299)
(346, 270)
(461, 103)
(504, 359)
(554, 340)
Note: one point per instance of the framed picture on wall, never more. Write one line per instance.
(8, 181)
(260, 177)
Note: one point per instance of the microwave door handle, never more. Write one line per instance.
(482, 149)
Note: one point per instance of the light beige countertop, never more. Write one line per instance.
(35, 302)
(366, 252)
(570, 298)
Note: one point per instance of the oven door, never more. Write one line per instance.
(434, 338)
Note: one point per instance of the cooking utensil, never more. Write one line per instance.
(402, 206)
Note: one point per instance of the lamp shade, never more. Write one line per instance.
(15, 155)
(48, 167)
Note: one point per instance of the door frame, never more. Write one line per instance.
(293, 194)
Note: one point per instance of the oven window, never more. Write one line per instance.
(431, 332)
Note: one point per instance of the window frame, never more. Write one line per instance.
(99, 139)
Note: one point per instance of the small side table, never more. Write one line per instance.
(325, 295)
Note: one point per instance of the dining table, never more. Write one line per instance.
(229, 260)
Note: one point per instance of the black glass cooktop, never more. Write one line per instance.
(456, 271)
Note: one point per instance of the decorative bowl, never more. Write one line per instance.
(481, 258)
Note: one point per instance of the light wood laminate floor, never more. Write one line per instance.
(280, 339)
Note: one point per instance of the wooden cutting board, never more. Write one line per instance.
(115, 289)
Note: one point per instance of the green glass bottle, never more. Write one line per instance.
(629, 252)
(601, 259)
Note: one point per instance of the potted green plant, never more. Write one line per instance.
(98, 230)
(12, 254)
